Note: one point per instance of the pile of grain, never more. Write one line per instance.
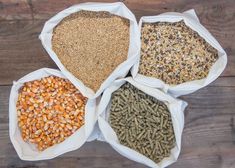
(49, 110)
(91, 45)
(174, 53)
(142, 123)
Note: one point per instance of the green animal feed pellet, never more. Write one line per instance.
(142, 123)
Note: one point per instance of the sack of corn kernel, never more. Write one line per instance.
(48, 116)
(92, 44)
(142, 123)
(178, 54)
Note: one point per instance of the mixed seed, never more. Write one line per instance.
(49, 110)
(174, 53)
(91, 45)
(141, 122)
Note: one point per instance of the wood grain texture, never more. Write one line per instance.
(21, 51)
(209, 134)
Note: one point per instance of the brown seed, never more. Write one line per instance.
(100, 37)
(174, 53)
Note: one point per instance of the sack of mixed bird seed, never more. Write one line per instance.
(178, 54)
(92, 44)
(47, 116)
(141, 123)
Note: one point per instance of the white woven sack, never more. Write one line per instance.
(190, 18)
(175, 106)
(28, 151)
(117, 8)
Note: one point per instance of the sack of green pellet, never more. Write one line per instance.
(141, 123)
(178, 54)
(27, 125)
(75, 71)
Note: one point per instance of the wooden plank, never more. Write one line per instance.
(21, 51)
(208, 138)
(43, 9)
(223, 82)
(11, 10)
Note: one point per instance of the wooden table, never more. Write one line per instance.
(209, 133)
